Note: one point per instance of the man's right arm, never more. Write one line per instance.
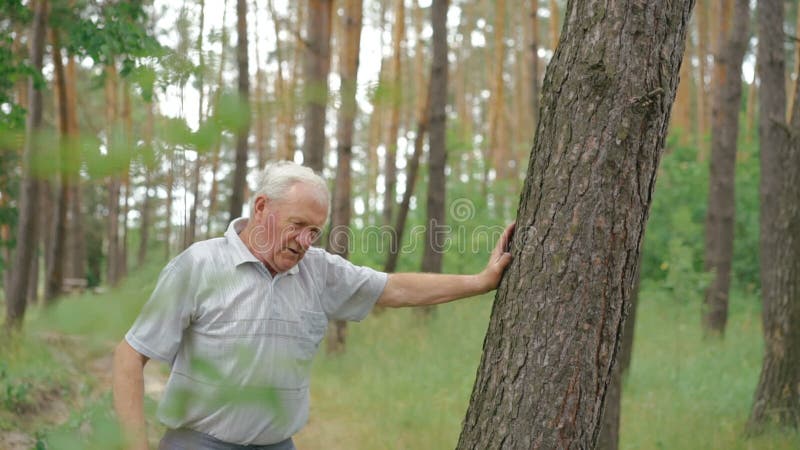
(128, 389)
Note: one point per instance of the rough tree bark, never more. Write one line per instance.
(437, 151)
(243, 133)
(609, 427)
(727, 96)
(554, 332)
(777, 397)
(318, 64)
(16, 293)
(339, 237)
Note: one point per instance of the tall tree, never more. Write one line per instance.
(215, 153)
(777, 397)
(534, 60)
(339, 237)
(702, 66)
(201, 150)
(55, 271)
(412, 173)
(437, 141)
(396, 94)
(498, 142)
(553, 336)
(16, 294)
(317, 67)
(76, 268)
(243, 128)
(727, 96)
(147, 163)
(113, 147)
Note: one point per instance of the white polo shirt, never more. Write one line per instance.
(240, 342)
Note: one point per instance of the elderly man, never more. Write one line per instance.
(239, 319)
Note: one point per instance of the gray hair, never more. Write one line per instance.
(278, 177)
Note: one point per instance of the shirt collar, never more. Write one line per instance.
(241, 254)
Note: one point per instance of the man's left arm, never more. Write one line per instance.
(424, 289)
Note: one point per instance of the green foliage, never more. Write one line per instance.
(674, 245)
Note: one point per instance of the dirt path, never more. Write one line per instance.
(85, 366)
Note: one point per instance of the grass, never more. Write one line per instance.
(405, 382)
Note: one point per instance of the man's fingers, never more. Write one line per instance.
(503, 243)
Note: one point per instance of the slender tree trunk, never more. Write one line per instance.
(437, 141)
(553, 336)
(411, 183)
(777, 397)
(144, 233)
(318, 63)
(534, 73)
(112, 142)
(55, 271)
(215, 153)
(396, 95)
(76, 268)
(191, 230)
(555, 15)
(127, 127)
(721, 201)
(261, 131)
(339, 237)
(498, 147)
(702, 89)
(16, 295)
(170, 185)
(682, 109)
(285, 150)
(243, 132)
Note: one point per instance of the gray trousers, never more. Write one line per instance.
(185, 439)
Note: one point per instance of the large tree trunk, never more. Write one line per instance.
(16, 294)
(724, 134)
(318, 64)
(55, 271)
(777, 397)
(243, 131)
(437, 152)
(554, 332)
(339, 237)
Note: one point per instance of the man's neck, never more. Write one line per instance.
(244, 235)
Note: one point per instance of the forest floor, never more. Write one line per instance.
(403, 383)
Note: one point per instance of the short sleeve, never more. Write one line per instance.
(158, 330)
(350, 291)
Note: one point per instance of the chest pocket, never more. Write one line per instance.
(313, 325)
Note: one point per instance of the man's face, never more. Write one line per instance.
(286, 228)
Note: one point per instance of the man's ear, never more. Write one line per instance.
(260, 204)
